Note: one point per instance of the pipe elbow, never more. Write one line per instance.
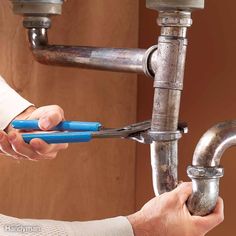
(38, 57)
(206, 171)
(37, 38)
(214, 143)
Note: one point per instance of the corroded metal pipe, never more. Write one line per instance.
(168, 84)
(164, 161)
(111, 59)
(205, 170)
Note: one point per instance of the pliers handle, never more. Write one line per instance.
(63, 126)
(84, 134)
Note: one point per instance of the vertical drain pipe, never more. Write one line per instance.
(168, 84)
(174, 19)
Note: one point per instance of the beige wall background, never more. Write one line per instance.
(113, 177)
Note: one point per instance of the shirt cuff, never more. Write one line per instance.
(11, 104)
(118, 226)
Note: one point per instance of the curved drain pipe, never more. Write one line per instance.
(205, 171)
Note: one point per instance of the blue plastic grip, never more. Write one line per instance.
(63, 126)
(66, 137)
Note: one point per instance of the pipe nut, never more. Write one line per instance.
(197, 172)
(175, 19)
(37, 22)
(165, 135)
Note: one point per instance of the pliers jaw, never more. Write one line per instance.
(146, 136)
(142, 137)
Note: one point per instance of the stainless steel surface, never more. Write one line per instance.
(112, 59)
(37, 7)
(175, 4)
(207, 154)
(171, 53)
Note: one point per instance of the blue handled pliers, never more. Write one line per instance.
(75, 131)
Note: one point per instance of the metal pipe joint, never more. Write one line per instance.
(38, 22)
(205, 193)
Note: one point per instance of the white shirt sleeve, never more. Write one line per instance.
(118, 226)
(11, 104)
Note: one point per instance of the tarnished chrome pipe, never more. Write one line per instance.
(168, 84)
(205, 170)
(164, 161)
(174, 18)
(112, 59)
